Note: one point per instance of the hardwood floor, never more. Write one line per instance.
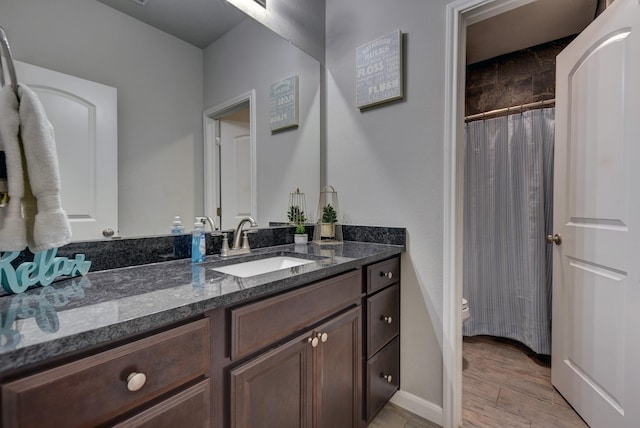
(504, 384)
(395, 417)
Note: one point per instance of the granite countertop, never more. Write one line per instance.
(79, 313)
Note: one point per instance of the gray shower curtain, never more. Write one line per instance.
(508, 195)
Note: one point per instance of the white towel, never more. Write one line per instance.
(12, 226)
(32, 176)
(50, 228)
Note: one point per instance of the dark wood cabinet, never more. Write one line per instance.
(274, 389)
(101, 388)
(338, 372)
(321, 355)
(382, 337)
(291, 360)
(382, 377)
(310, 381)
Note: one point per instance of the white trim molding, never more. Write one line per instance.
(211, 185)
(459, 15)
(418, 406)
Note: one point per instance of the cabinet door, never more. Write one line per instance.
(338, 362)
(274, 389)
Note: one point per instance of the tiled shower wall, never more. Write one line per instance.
(512, 79)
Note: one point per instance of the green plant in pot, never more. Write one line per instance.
(296, 215)
(327, 225)
(300, 236)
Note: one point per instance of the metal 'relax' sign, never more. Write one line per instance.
(43, 270)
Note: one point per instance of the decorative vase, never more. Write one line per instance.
(327, 230)
(300, 238)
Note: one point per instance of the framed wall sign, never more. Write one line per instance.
(283, 104)
(379, 71)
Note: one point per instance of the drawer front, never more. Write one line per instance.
(259, 324)
(93, 390)
(383, 318)
(382, 274)
(379, 387)
(189, 408)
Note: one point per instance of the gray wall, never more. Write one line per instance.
(386, 163)
(159, 82)
(252, 57)
(299, 21)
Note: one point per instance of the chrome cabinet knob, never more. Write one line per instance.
(386, 319)
(108, 232)
(387, 275)
(135, 381)
(388, 378)
(323, 337)
(554, 239)
(313, 341)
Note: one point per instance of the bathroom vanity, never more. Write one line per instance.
(311, 345)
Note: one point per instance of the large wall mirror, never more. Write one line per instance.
(164, 84)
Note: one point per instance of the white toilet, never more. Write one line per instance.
(465, 310)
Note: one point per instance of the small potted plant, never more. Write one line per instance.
(300, 236)
(329, 219)
(297, 218)
(296, 215)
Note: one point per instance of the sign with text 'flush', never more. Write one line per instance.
(379, 71)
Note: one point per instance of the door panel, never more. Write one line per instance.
(597, 213)
(274, 389)
(338, 378)
(235, 168)
(84, 118)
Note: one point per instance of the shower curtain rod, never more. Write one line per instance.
(513, 109)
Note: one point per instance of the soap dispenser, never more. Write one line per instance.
(176, 226)
(198, 243)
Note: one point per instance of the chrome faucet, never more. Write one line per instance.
(212, 224)
(238, 248)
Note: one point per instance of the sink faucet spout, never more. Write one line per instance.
(236, 236)
(212, 224)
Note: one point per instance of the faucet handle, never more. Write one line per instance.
(245, 240)
(224, 251)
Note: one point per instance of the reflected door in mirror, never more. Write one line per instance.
(84, 118)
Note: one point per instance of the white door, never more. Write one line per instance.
(84, 118)
(596, 282)
(235, 168)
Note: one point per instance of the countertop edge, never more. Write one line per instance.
(32, 355)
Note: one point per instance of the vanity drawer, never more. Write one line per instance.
(94, 390)
(379, 386)
(259, 324)
(383, 318)
(382, 274)
(189, 408)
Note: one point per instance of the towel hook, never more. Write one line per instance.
(6, 49)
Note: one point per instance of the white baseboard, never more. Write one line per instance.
(419, 406)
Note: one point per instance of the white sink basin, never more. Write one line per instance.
(258, 267)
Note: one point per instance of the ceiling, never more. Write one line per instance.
(535, 23)
(199, 22)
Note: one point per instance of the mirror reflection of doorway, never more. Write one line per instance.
(234, 165)
(230, 187)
